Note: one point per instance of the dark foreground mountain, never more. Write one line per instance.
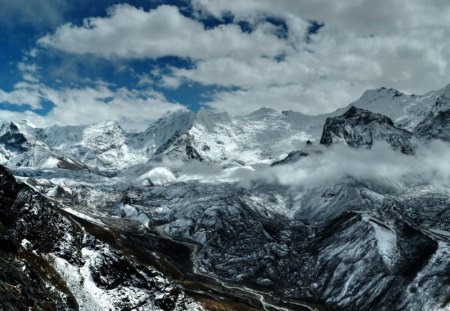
(49, 261)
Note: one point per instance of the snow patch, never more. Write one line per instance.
(159, 176)
(386, 240)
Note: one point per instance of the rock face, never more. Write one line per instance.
(361, 128)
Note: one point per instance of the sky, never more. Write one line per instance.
(82, 62)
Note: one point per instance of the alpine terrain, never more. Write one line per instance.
(206, 211)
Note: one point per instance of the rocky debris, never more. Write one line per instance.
(343, 245)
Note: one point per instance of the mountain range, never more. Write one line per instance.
(207, 211)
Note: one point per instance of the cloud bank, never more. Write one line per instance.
(380, 166)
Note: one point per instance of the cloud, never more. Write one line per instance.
(362, 45)
(36, 13)
(130, 32)
(380, 166)
(134, 109)
(23, 94)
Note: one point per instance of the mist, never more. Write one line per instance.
(429, 165)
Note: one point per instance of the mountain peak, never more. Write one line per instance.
(110, 124)
(381, 92)
(363, 116)
(361, 128)
(26, 123)
(262, 112)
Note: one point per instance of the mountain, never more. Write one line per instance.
(207, 211)
(406, 111)
(361, 128)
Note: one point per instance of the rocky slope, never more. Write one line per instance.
(435, 126)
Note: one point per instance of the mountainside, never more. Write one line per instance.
(435, 126)
(207, 211)
(70, 268)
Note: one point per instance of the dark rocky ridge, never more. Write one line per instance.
(361, 128)
(293, 156)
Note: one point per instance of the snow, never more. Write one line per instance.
(79, 280)
(257, 138)
(237, 146)
(133, 213)
(405, 110)
(26, 244)
(158, 176)
(83, 216)
(386, 240)
(50, 163)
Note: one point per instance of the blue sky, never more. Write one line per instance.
(81, 62)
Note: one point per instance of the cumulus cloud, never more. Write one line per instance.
(134, 109)
(400, 44)
(364, 44)
(130, 32)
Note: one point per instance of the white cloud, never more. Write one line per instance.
(22, 94)
(87, 105)
(364, 44)
(379, 166)
(381, 163)
(309, 99)
(130, 32)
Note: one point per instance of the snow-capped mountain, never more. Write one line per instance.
(207, 211)
(263, 136)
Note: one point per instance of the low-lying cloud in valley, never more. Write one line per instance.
(380, 164)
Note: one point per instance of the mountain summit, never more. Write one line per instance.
(361, 128)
